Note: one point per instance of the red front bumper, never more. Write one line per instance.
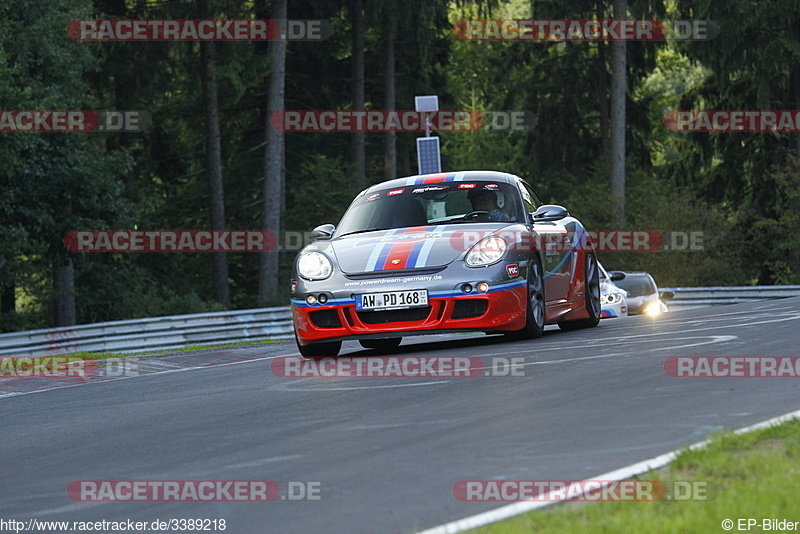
(504, 310)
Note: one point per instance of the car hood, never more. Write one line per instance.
(421, 247)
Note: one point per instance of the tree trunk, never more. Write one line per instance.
(390, 149)
(8, 298)
(214, 168)
(359, 138)
(273, 165)
(794, 91)
(618, 96)
(602, 82)
(796, 99)
(64, 291)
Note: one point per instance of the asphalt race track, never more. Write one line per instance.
(387, 451)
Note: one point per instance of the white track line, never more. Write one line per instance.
(511, 510)
(154, 373)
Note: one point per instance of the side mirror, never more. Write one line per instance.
(666, 295)
(324, 231)
(616, 275)
(550, 212)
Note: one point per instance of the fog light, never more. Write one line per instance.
(466, 288)
(323, 298)
(311, 299)
(483, 287)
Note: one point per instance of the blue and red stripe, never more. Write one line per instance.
(407, 252)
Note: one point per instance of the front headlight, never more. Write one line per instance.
(654, 308)
(486, 252)
(610, 298)
(314, 266)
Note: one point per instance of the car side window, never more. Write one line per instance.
(529, 198)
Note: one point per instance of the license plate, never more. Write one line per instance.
(392, 300)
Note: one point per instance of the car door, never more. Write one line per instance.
(552, 239)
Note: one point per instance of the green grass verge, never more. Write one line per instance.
(754, 475)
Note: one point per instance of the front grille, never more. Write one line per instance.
(394, 316)
(325, 319)
(467, 308)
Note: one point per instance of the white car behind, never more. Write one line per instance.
(613, 299)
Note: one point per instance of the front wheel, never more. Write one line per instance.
(592, 278)
(534, 315)
(328, 349)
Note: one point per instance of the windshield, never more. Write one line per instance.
(433, 204)
(637, 286)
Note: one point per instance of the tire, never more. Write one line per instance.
(329, 349)
(534, 315)
(592, 276)
(381, 345)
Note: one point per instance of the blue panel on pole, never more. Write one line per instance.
(429, 159)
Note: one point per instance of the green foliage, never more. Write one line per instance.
(52, 182)
(306, 207)
(481, 149)
(752, 475)
(753, 64)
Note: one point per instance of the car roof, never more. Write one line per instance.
(453, 176)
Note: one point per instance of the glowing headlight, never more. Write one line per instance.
(314, 266)
(654, 308)
(610, 298)
(486, 252)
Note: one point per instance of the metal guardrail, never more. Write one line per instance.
(152, 334)
(687, 298)
(179, 331)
